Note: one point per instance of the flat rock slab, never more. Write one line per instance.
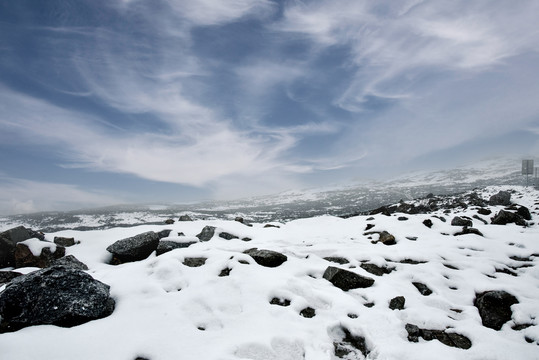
(267, 258)
(54, 296)
(134, 248)
(346, 280)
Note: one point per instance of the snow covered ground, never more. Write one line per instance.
(166, 310)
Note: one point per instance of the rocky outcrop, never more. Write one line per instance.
(447, 338)
(346, 280)
(495, 308)
(267, 258)
(54, 296)
(207, 233)
(48, 252)
(134, 248)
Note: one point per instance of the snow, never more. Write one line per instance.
(36, 246)
(166, 310)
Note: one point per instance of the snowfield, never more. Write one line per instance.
(167, 310)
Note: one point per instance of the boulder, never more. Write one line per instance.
(375, 269)
(397, 303)
(460, 221)
(228, 236)
(71, 262)
(504, 217)
(267, 258)
(64, 241)
(164, 233)
(346, 280)
(53, 296)
(483, 211)
(501, 198)
(135, 248)
(524, 212)
(169, 221)
(185, 218)
(386, 238)
(428, 223)
(37, 253)
(8, 241)
(207, 233)
(166, 246)
(495, 308)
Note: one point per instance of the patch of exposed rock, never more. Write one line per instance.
(346, 280)
(267, 258)
(495, 308)
(134, 248)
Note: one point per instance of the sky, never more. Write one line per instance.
(169, 101)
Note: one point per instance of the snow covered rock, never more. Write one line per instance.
(134, 248)
(505, 217)
(346, 280)
(495, 308)
(8, 242)
(207, 233)
(461, 221)
(56, 296)
(446, 338)
(37, 253)
(501, 198)
(267, 258)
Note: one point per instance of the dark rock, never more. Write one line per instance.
(64, 241)
(349, 345)
(427, 223)
(480, 219)
(495, 308)
(524, 212)
(228, 236)
(7, 276)
(70, 262)
(505, 217)
(386, 238)
(469, 230)
(441, 218)
(429, 196)
(280, 302)
(412, 238)
(246, 239)
(402, 218)
(337, 260)
(412, 262)
(134, 248)
(25, 258)
(483, 211)
(164, 233)
(207, 233)
(239, 219)
(450, 339)
(165, 246)
(460, 221)
(54, 296)
(501, 198)
(169, 221)
(308, 312)
(185, 218)
(225, 272)
(271, 226)
(267, 258)
(369, 226)
(423, 289)
(397, 303)
(381, 210)
(376, 270)
(8, 241)
(181, 234)
(194, 261)
(346, 280)
(368, 305)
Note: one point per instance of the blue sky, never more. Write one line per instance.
(106, 102)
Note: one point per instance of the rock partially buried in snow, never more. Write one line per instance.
(8, 242)
(37, 253)
(64, 241)
(447, 338)
(501, 198)
(134, 248)
(267, 258)
(505, 217)
(495, 308)
(207, 233)
(54, 296)
(461, 221)
(346, 280)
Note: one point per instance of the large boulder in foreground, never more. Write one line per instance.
(346, 280)
(53, 296)
(495, 308)
(8, 241)
(135, 248)
(267, 258)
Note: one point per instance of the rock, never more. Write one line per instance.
(375, 269)
(246, 239)
(70, 262)
(308, 312)
(280, 302)
(480, 219)
(423, 289)
(469, 230)
(53, 296)
(524, 212)
(504, 217)
(194, 261)
(7, 276)
(501, 198)
(495, 308)
(164, 233)
(64, 241)
(346, 280)
(8, 241)
(460, 221)
(397, 303)
(427, 223)
(411, 238)
(207, 233)
(337, 260)
(386, 238)
(402, 218)
(134, 248)
(225, 272)
(369, 226)
(271, 226)
(483, 211)
(349, 345)
(450, 339)
(239, 219)
(228, 236)
(267, 258)
(24, 257)
(185, 218)
(169, 221)
(165, 246)
(381, 210)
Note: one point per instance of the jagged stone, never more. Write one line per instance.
(381, 210)
(164, 233)
(64, 241)
(461, 221)
(134, 248)
(369, 226)
(346, 280)
(207, 233)
(225, 272)
(504, 217)
(70, 262)
(267, 258)
(8, 242)
(495, 308)
(53, 296)
(49, 252)
(397, 303)
(376, 270)
(387, 238)
(501, 198)
(422, 288)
